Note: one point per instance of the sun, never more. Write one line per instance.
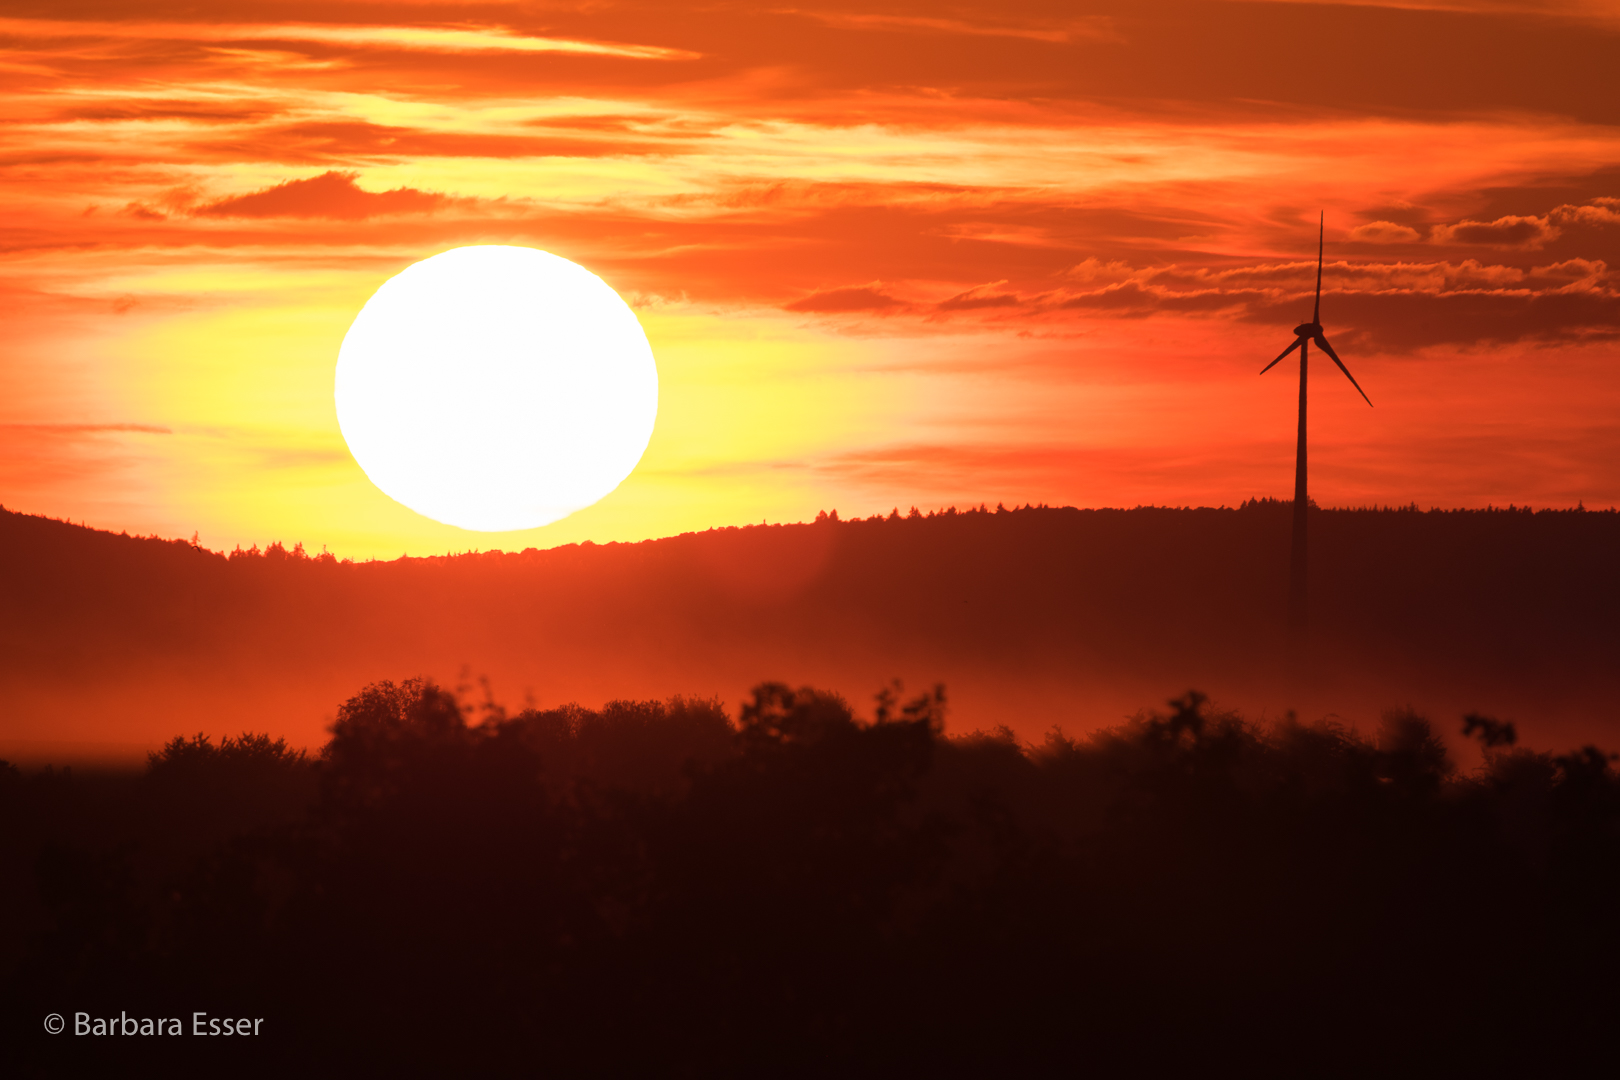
(496, 388)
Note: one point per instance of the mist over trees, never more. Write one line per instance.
(658, 888)
(1062, 611)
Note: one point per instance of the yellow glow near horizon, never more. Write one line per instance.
(496, 388)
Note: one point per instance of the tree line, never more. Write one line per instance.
(655, 887)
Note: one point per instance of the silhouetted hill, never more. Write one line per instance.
(1031, 616)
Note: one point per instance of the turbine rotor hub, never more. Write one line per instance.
(1308, 330)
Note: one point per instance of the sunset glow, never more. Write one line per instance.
(885, 256)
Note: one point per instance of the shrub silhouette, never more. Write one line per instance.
(645, 746)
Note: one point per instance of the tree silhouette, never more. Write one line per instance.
(652, 887)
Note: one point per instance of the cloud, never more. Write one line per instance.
(1088, 28)
(1530, 233)
(332, 195)
(1002, 233)
(1094, 269)
(1510, 231)
(80, 430)
(346, 141)
(1602, 211)
(925, 466)
(412, 38)
(50, 463)
(1573, 270)
(1385, 232)
(1393, 307)
(197, 111)
(847, 299)
(980, 296)
(1406, 320)
(1137, 297)
(1600, 12)
(1291, 277)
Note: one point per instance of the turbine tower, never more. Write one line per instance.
(1304, 334)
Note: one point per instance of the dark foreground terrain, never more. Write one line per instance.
(1033, 617)
(656, 889)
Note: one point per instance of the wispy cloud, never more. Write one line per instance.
(847, 299)
(78, 430)
(330, 195)
(1385, 232)
(444, 39)
(1058, 31)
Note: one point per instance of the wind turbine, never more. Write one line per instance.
(1304, 334)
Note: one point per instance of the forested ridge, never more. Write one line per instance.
(1507, 611)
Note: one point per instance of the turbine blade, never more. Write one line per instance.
(1316, 313)
(1322, 342)
(1297, 343)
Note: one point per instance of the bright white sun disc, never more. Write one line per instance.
(496, 388)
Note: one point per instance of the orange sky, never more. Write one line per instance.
(887, 254)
